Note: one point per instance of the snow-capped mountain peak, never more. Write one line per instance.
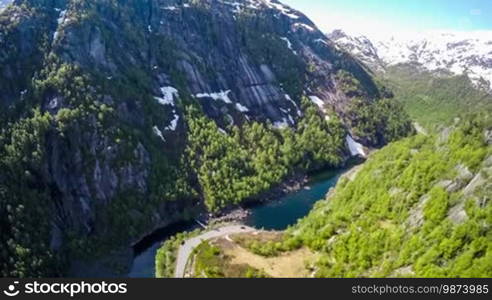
(359, 46)
(455, 53)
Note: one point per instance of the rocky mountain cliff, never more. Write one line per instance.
(219, 51)
(445, 53)
(96, 100)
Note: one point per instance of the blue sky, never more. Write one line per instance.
(383, 16)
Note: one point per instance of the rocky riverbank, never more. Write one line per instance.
(237, 214)
(230, 216)
(291, 185)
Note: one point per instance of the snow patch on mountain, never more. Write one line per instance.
(281, 8)
(289, 44)
(168, 94)
(241, 107)
(354, 147)
(302, 25)
(316, 100)
(219, 96)
(158, 132)
(174, 123)
(60, 21)
(298, 111)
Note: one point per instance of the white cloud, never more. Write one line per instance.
(476, 12)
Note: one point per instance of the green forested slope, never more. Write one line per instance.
(419, 207)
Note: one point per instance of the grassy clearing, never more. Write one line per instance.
(293, 264)
(232, 257)
(210, 261)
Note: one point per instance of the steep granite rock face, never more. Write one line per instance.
(246, 58)
(114, 76)
(21, 51)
